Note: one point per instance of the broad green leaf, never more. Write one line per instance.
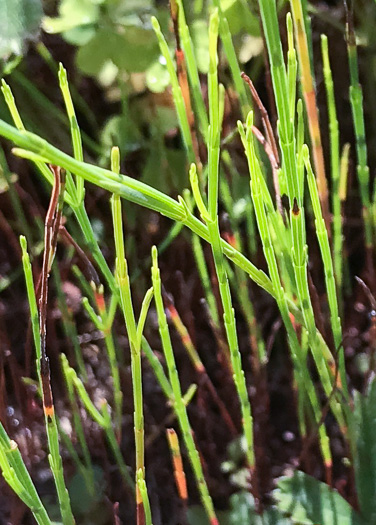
(72, 14)
(139, 10)
(133, 50)
(19, 21)
(240, 17)
(140, 49)
(80, 35)
(92, 57)
(310, 502)
(365, 459)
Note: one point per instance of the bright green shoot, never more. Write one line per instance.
(179, 403)
(18, 478)
(51, 425)
(135, 340)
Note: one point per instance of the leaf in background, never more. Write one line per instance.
(89, 507)
(240, 17)
(200, 38)
(72, 14)
(140, 49)
(120, 12)
(365, 459)
(133, 50)
(19, 20)
(196, 515)
(92, 57)
(157, 77)
(242, 512)
(122, 132)
(310, 502)
(80, 35)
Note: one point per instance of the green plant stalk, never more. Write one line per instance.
(36, 97)
(322, 237)
(302, 376)
(127, 307)
(103, 419)
(34, 316)
(311, 105)
(18, 478)
(334, 165)
(249, 216)
(114, 366)
(293, 175)
(120, 256)
(158, 370)
(198, 365)
(186, 339)
(56, 465)
(214, 96)
(86, 474)
(281, 92)
(54, 457)
(320, 352)
(210, 216)
(199, 256)
(87, 230)
(269, 17)
(356, 100)
(192, 72)
(202, 268)
(342, 190)
(79, 101)
(104, 324)
(161, 376)
(89, 474)
(141, 484)
(111, 437)
(176, 92)
(9, 99)
(83, 283)
(179, 405)
(69, 324)
(134, 335)
(292, 65)
(240, 283)
(70, 196)
(15, 198)
(228, 45)
(132, 190)
(74, 127)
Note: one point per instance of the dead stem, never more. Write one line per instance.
(52, 225)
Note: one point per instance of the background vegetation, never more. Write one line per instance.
(192, 341)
